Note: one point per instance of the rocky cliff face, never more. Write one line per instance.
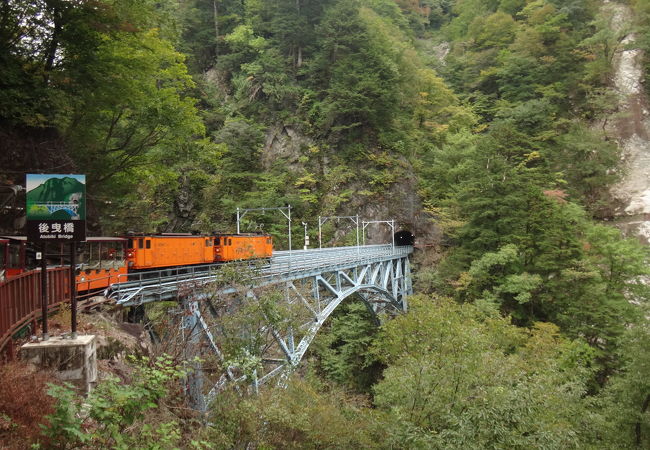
(631, 127)
(400, 202)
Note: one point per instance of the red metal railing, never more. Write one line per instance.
(20, 299)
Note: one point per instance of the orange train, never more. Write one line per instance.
(171, 250)
(102, 261)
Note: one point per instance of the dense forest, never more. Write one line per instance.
(490, 128)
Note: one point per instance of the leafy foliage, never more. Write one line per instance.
(628, 394)
(307, 414)
(342, 350)
(338, 105)
(113, 408)
(459, 377)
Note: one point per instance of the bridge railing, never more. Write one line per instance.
(283, 265)
(20, 299)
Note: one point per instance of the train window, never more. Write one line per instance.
(229, 241)
(14, 256)
(112, 255)
(108, 254)
(148, 243)
(207, 243)
(90, 256)
(216, 241)
(140, 243)
(131, 243)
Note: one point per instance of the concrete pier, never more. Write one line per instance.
(73, 360)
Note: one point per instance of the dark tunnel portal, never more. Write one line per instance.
(404, 237)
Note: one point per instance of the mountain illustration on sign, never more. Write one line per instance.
(64, 196)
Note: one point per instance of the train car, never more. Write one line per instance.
(237, 247)
(100, 262)
(148, 252)
(12, 257)
(16, 257)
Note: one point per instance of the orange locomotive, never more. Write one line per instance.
(236, 247)
(150, 252)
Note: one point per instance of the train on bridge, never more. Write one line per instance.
(105, 261)
(102, 261)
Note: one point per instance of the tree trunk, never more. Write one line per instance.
(54, 45)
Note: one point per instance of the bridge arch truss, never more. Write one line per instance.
(381, 278)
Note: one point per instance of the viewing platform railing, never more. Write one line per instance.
(20, 301)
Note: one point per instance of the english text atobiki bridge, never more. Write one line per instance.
(315, 281)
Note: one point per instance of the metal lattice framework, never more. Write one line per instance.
(313, 282)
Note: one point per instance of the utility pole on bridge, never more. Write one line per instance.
(322, 220)
(390, 223)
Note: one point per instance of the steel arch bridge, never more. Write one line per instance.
(313, 282)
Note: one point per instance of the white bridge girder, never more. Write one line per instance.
(383, 286)
(314, 283)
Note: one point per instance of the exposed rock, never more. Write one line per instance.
(400, 201)
(438, 51)
(116, 339)
(441, 51)
(632, 130)
(184, 211)
(286, 143)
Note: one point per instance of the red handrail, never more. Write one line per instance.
(20, 298)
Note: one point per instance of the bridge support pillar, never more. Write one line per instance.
(73, 360)
(193, 331)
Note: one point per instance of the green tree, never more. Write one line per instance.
(460, 377)
(627, 396)
(114, 413)
(342, 349)
(357, 75)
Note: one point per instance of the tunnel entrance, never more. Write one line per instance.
(404, 237)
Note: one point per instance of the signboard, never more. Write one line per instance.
(56, 208)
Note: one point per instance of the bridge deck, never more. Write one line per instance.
(284, 266)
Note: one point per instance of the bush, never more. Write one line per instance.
(115, 413)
